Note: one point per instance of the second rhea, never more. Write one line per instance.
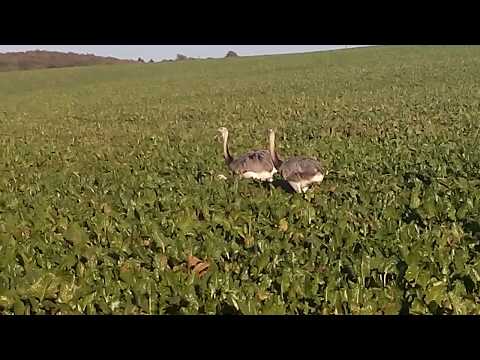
(299, 171)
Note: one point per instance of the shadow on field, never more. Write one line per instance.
(227, 309)
(410, 176)
(472, 227)
(282, 184)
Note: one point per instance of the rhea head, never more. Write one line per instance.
(276, 159)
(271, 135)
(271, 138)
(226, 152)
(223, 131)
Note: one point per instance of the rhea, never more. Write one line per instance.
(299, 171)
(255, 164)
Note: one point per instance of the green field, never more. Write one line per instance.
(108, 182)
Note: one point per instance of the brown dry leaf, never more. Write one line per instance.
(297, 237)
(322, 269)
(332, 188)
(107, 210)
(249, 240)
(283, 225)
(262, 295)
(26, 232)
(163, 262)
(192, 261)
(196, 265)
(125, 267)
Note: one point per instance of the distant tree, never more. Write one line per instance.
(231, 54)
(181, 57)
(151, 61)
(140, 60)
(39, 59)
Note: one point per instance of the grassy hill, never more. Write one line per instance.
(109, 182)
(39, 59)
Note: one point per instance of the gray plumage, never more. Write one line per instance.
(299, 171)
(299, 168)
(254, 160)
(255, 164)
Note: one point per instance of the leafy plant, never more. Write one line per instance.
(109, 181)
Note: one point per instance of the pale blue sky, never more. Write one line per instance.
(159, 52)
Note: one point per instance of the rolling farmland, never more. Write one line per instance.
(111, 201)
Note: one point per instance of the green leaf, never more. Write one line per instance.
(262, 261)
(414, 200)
(412, 272)
(459, 261)
(76, 235)
(19, 308)
(429, 207)
(418, 307)
(149, 196)
(436, 292)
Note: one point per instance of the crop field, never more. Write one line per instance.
(111, 201)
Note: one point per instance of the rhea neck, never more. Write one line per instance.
(276, 160)
(226, 152)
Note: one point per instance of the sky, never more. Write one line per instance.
(159, 52)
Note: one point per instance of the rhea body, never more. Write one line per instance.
(299, 171)
(255, 164)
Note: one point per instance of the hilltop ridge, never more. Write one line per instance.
(42, 59)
